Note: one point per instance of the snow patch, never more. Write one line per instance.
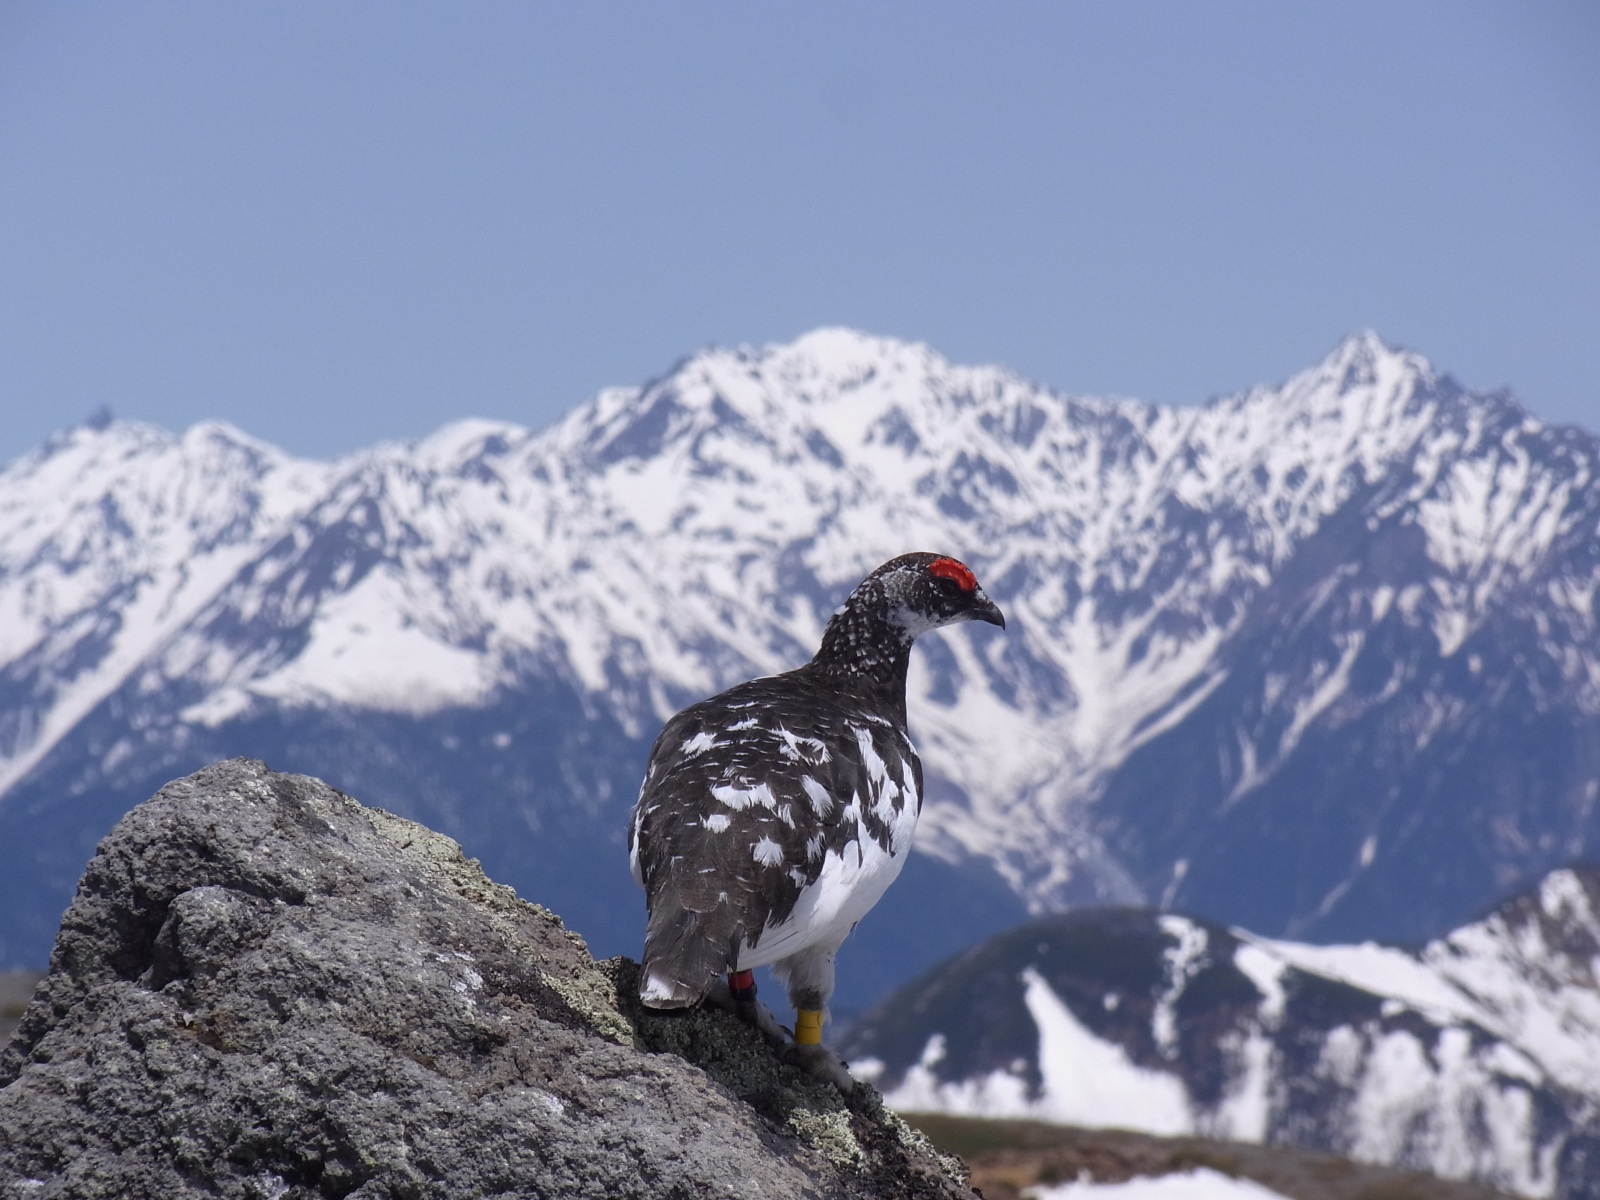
(1202, 1183)
(1086, 1080)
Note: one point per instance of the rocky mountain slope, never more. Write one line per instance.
(1476, 1056)
(265, 989)
(1318, 659)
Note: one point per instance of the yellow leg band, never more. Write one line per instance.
(808, 1026)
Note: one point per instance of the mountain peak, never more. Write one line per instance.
(841, 353)
(1364, 358)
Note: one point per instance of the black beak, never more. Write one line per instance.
(985, 609)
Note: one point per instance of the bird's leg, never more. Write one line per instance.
(808, 1026)
(808, 994)
(742, 1000)
(813, 1056)
(742, 987)
(808, 1050)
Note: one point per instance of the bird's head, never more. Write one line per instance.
(924, 591)
(905, 597)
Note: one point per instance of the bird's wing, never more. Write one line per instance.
(745, 796)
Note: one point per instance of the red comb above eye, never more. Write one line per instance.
(949, 568)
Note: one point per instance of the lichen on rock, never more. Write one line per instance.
(263, 988)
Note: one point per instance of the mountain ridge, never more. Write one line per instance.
(1473, 1056)
(1218, 598)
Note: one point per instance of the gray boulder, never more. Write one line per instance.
(264, 989)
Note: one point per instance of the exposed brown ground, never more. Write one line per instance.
(1007, 1156)
(16, 989)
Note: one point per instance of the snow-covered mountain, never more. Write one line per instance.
(1477, 1056)
(1318, 659)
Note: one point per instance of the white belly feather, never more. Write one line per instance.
(852, 880)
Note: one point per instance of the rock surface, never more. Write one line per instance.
(265, 989)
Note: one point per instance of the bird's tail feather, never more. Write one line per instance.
(684, 953)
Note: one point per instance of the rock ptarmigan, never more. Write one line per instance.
(774, 815)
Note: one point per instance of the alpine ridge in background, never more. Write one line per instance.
(1318, 660)
(1475, 1056)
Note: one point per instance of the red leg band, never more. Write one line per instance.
(743, 985)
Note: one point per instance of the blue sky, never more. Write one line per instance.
(332, 223)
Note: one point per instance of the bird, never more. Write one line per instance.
(774, 815)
